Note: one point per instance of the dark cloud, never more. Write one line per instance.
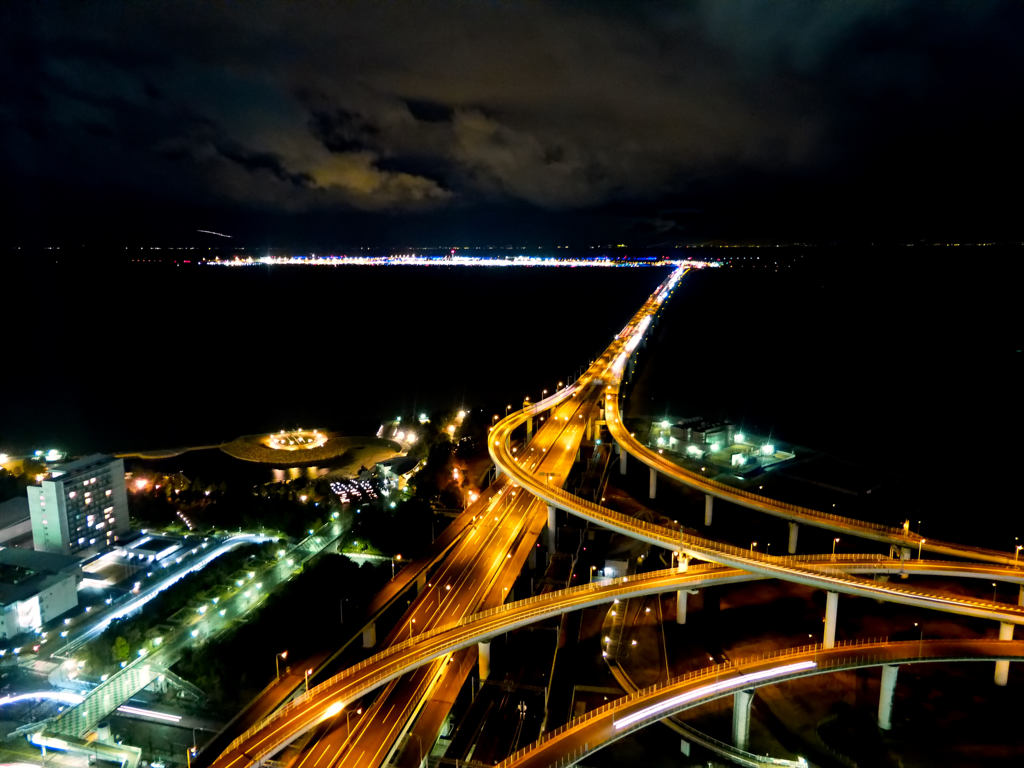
(341, 130)
(777, 117)
(429, 111)
(262, 161)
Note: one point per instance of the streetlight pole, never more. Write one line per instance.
(1016, 553)
(920, 544)
(419, 741)
(348, 716)
(308, 673)
(834, 542)
(995, 587)
(277, 663)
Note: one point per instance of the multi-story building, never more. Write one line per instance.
(78, 506)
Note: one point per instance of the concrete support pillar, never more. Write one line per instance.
(885, 694)
(622, 461)
(680, 606)
(370, 635)
(794, 531)
(529, 429)
(1020, 595)
(741, 701)
(652, 486)
(709, 501)
(531, 559)
(904, 555)
(421, 583)
(483, 659)
(831, 609)
(552, 528)
(1003, 667)
(684, 563)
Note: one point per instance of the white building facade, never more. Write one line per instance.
(79, 506)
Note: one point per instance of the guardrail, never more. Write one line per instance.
(825, 659)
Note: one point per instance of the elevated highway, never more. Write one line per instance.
(601, 381)
(602, 726)
(328, 699)
(584, 403)
(894, 536)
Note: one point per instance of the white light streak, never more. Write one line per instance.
(704, 690)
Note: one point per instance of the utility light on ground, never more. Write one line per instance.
(740, 437)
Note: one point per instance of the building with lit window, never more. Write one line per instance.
(34, 588)
(79, 506)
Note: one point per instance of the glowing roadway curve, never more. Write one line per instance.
(328, 698)
(611, 722)
(601, 381)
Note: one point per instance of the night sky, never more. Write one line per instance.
(388, 123)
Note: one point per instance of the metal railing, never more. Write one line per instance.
(825, 659)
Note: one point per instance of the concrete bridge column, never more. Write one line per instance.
(529, 429)
(552, 527)
(831, 609)
(421, 582)
(904, 555)
(709, 501)
(1003, 667)
(652, 486)
(885, 694)
(680, 606)
(483, 659)
(622, 460)
(370, 635)
(794, 531)
(531, 559)
(1020, 595)
(684, 563)
(741, 701)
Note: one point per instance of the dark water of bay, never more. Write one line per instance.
(153, 356)
(905, 362)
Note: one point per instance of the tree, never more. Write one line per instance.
(121, 650)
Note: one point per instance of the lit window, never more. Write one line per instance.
(109, 491)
